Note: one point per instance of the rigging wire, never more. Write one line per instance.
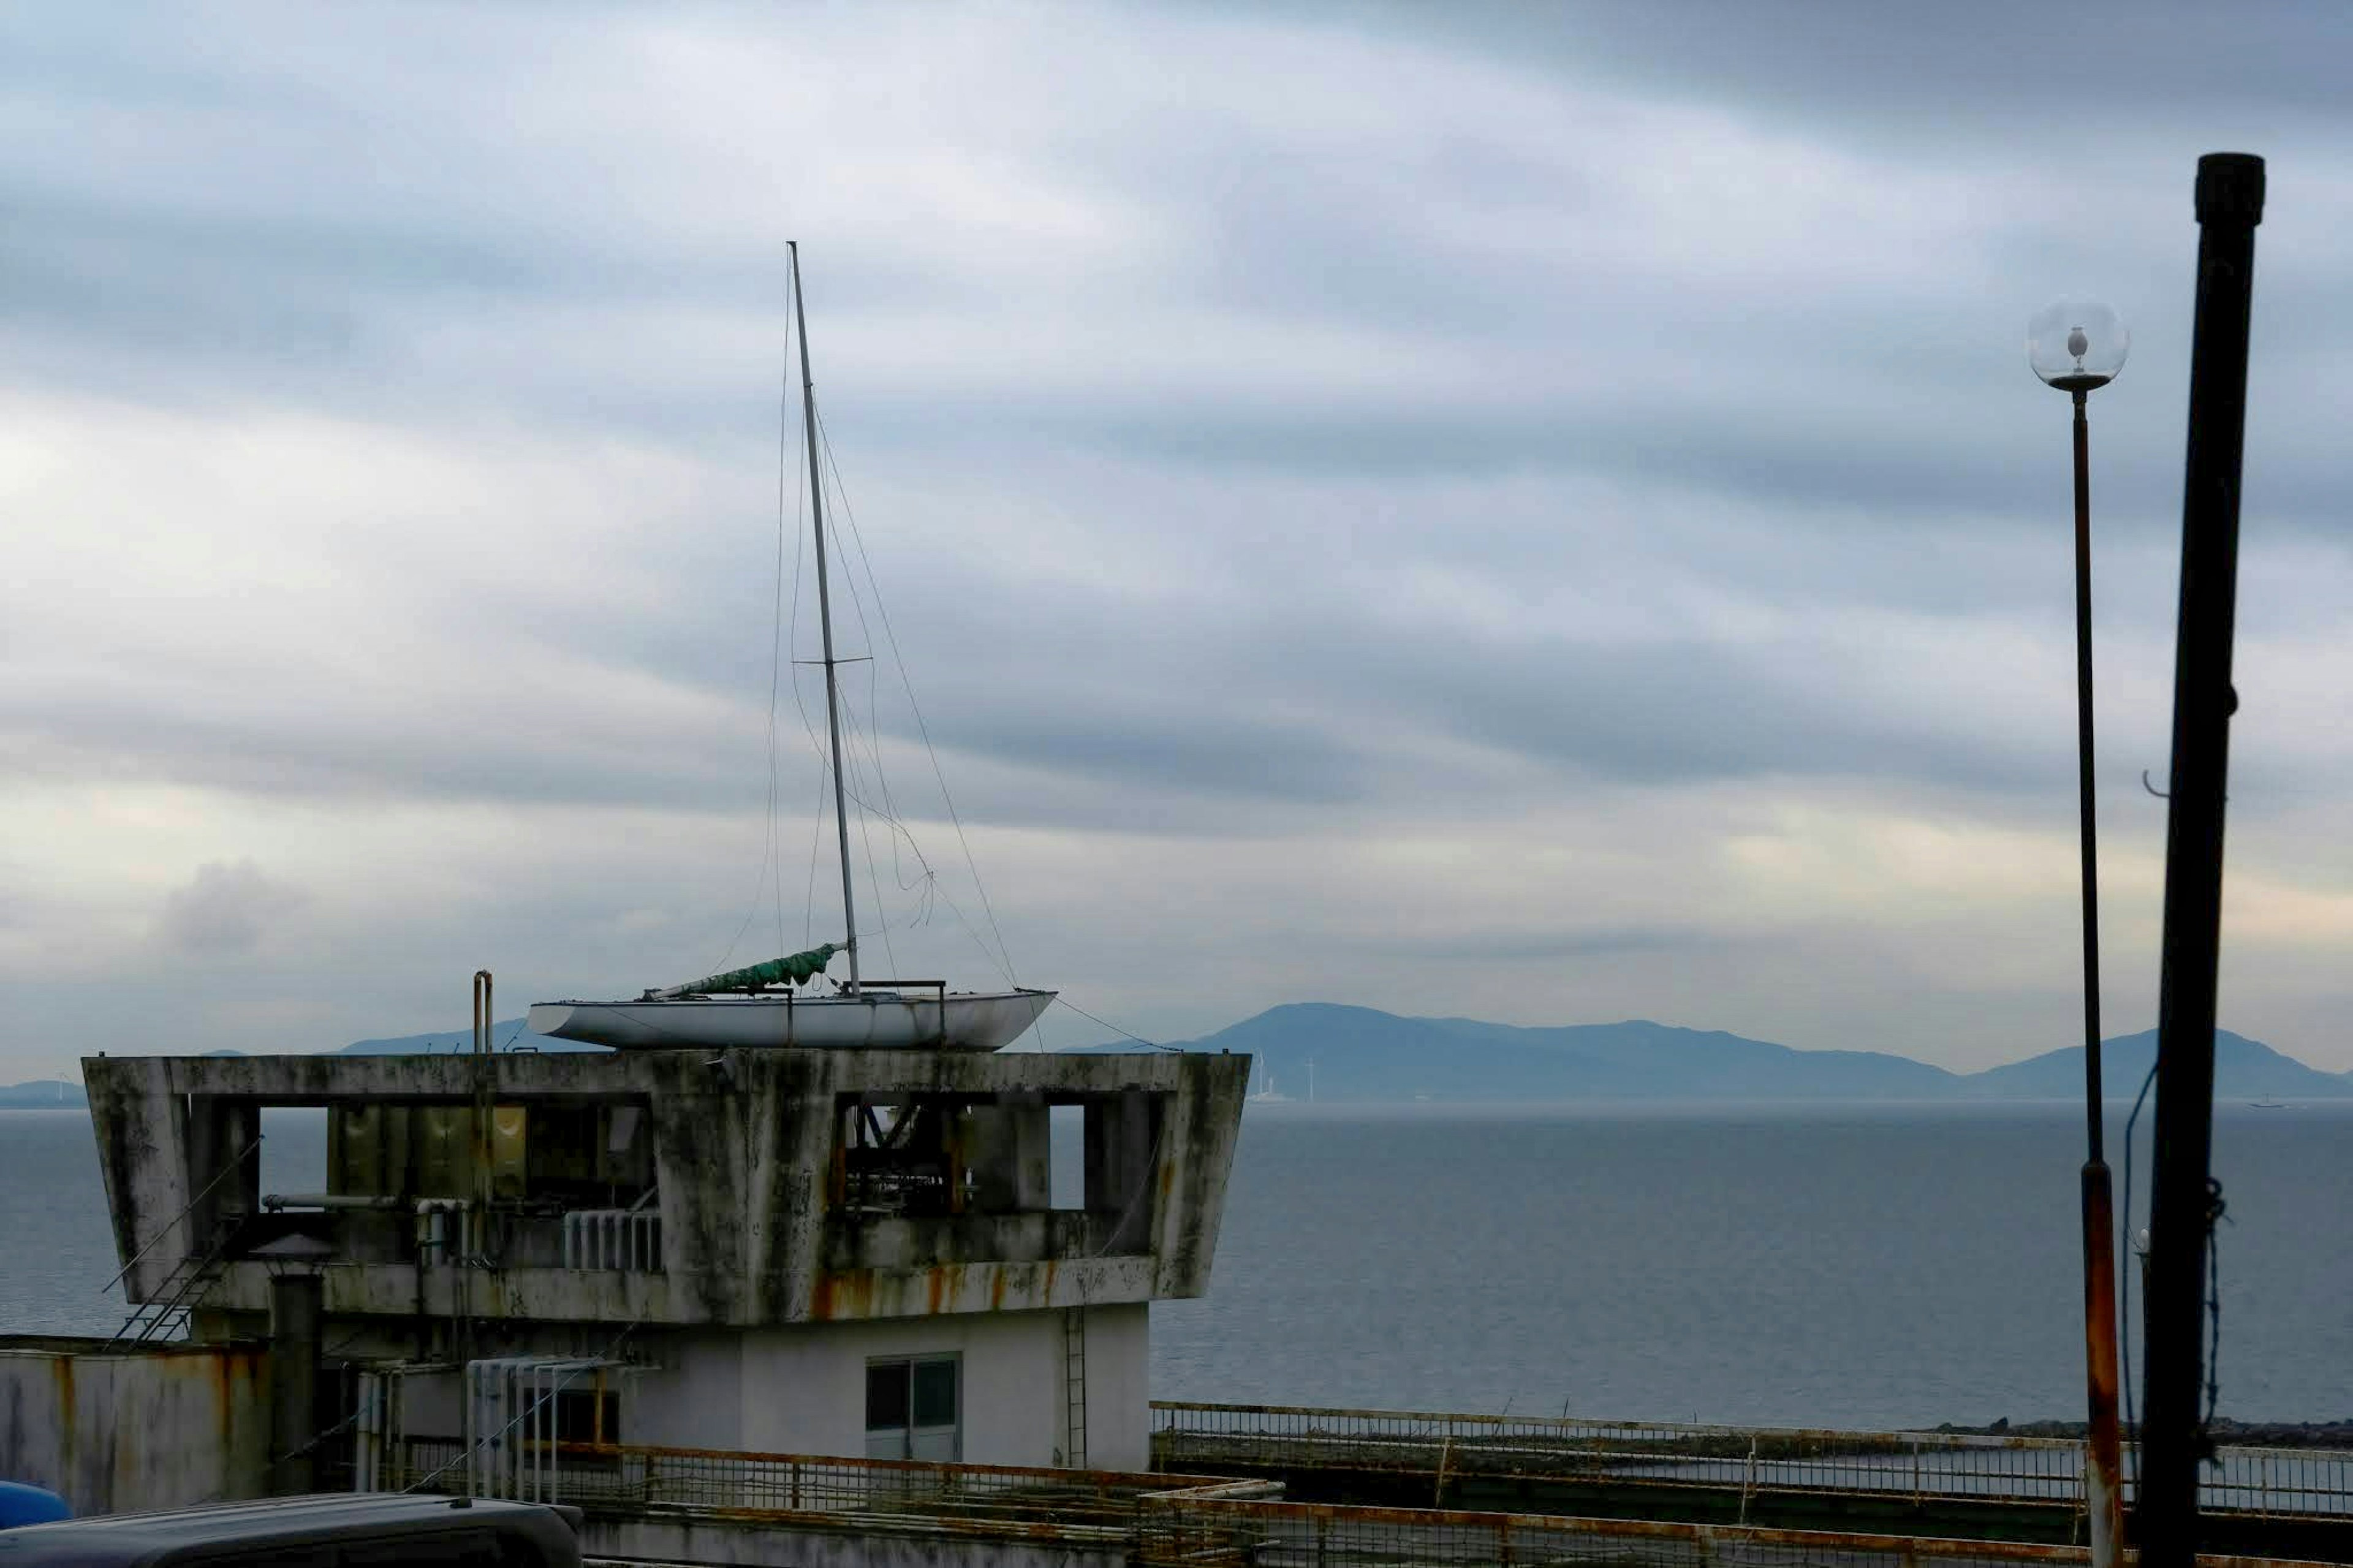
(1107, 1024)
(818, 746)
(771, 862)
(853, 778)
(891, 635)
(855, 789)
(874, 798)
(965, 922)
(816, 842)
(866, 839)
(850, 763)
(777, 641)
(872, 736)
(875, 801)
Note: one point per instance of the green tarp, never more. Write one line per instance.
(800, 968)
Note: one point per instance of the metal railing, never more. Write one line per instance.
(624, 1240)
(1209, 1532)
(721, 1482)
(1183, 1521)
(1924, 1467)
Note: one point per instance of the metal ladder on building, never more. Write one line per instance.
(190, 1277)
(1074, 1384)
(176, 1298)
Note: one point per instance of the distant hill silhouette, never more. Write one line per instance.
(2244, 1069)
(45, 1094)
(42, 1094)
(1365, 1054)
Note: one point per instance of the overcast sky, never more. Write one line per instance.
(1537, 513)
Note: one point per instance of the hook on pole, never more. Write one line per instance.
(2162, 794)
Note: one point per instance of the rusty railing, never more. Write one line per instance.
(646, 1476)
(1160, 1521)
(1209, 1532)
(1922, 1465)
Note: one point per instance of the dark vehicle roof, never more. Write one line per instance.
(224, 1532)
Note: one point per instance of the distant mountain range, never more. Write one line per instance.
(1362, 1055)
(47, 1094)
(41, 1094)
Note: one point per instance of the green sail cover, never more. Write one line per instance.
(800, 968)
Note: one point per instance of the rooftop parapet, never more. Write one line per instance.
(739, 1187)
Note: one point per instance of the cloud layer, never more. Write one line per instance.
(1527, 514)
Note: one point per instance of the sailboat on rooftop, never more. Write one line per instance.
(763, 1004)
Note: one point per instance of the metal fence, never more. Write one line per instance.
(1921, 1466)
(1174, 1521)
(1211, 1533)
(642, 1476)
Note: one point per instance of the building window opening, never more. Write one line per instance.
(903, 1158)
(911, 1409)
(1067, 1169)
(589, 1415)
(295, 1143)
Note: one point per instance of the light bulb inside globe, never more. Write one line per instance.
(2077, 344)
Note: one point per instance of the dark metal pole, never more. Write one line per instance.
(2087, 829)
(2102, 1457)
(2229, 205)
(2103, 1489)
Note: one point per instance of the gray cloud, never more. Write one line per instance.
(225, 910)
(1286, 439)
(1998, 68)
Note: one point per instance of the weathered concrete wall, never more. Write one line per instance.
(846, 1545)
(804, 1389)
(743, 1149)
(1119, 1387)
(159, 1428)
(695, 1395)
(432, 1404)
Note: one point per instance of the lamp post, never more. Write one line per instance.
(2078, 346)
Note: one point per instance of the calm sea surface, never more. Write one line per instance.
(1849, 1265)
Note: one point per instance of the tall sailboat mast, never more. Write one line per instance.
(755, 1006)
(825, 617)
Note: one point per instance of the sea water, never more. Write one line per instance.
(1859, 1266)
(1840, 1265)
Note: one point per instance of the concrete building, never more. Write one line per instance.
(790, 1251)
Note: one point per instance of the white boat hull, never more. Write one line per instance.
(883, 1021)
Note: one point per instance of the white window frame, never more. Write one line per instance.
(939, 1444)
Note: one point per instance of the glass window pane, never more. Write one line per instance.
(935, 1393)
(886, 1395)
(578, 1418)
